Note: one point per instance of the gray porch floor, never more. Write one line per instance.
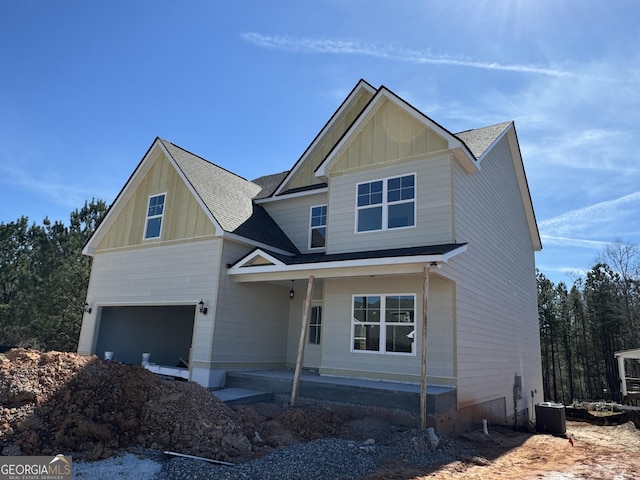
(344, 390)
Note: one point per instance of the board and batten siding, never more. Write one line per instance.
(177, 274)
(390, 134)
(294, 214)
(337, 357)
(497, 322)
(305, 175)
(433, 222)
(183, 216)
(251, 319)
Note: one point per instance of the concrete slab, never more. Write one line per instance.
(242, 396)
(356, 391)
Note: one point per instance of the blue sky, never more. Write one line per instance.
(85, 87)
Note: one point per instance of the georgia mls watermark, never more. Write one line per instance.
(36, 468)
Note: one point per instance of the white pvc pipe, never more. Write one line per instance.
(484, 427)
(622, 375)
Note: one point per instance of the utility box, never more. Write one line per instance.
(551, 418)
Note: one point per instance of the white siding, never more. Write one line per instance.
(251, 320)
(497, 324)
(164, 275)
(293, 215)
(433, 208)
(336, 342)
(312, 353)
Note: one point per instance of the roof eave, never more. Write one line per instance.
(357, 267)
(460, 151)
(362, 84)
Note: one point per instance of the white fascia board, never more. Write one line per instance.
(237, 268)
(218, 228)
(523, 186)
(628, 354)
(463, 156)
(456, 251)
(347, 102)
(292, 195)
(365, 262)
(129, 188)
(495, 142)
(461, 152)
(374, 104)
(120, 200)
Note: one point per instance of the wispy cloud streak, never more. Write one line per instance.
(592, 221)
(55, 189)
(390, 52)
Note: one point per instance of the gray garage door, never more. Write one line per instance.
(164, 332)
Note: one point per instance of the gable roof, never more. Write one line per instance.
(361, 87)
(456, 145)
(468, 146)
(269, 183)
(264, 261)
(224, 193)
(229, 198)
(479, 140)
(226, 197)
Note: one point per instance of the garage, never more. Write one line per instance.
(165, 332)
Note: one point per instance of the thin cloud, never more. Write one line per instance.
(587, 220)
(352, 47)
(60, 192)
(549, 240)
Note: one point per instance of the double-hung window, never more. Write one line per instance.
(318, 227)
(315, 325)
(155, 210)
(386, 204)
(383, 323)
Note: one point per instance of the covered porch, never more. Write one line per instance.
(374, 326)
(629, 381)
(399, 400)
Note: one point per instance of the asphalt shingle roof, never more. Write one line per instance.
(229, 198)
(321, 257)
(269, 183)
(479, 139)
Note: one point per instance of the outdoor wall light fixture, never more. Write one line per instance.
(292, 292)
(203, 310)
(87, 308)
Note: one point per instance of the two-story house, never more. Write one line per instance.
(387, 222)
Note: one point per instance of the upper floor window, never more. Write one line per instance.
(318, 226)
(155, 210)
(387, 203)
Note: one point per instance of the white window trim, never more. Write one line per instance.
(385, 204)
(147, 217)
(311, 228)
(316, 304)
(383, 331)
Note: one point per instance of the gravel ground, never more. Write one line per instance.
(328, 458)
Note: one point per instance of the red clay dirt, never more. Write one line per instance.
(60, 402)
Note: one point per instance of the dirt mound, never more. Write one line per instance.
(277, 425)
(58, 401)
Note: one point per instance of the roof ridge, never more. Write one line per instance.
(204, 159)
(486, 126)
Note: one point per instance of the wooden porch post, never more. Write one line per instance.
(423, 383)
(303, 341)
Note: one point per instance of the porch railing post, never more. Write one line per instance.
(423, 339)
(303, 340)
